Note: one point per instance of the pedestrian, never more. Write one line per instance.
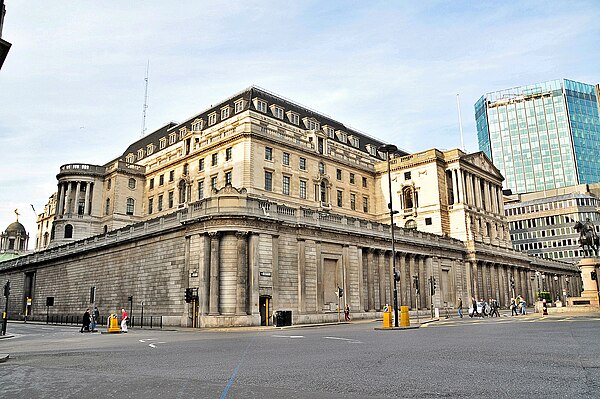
(347, 313)
(123, 321)
(95, 318)
(85, 325)
(495, 307)
(523, 307)
(460, 307)
(473, 313)
(513, 307)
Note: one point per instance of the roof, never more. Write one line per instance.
(15, 228)
(249, 94)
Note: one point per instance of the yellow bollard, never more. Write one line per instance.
(404, 317)
(113, 323)
(387, 317)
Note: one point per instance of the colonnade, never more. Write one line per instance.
(470, 189)
(70, 200)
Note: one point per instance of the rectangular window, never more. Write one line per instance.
(212, 119)
(278, 112)
(161, 180)
(339, 198)
(353, 201)
(163, 143)
(286, 185)
(170, 199)
(293, 117)
(286, 159)
(406, 175)
(351, 178)
(214, 159)
(130, 206)
(303, 189)
(365, 204)
(364, 182)
(228, 154)
(201, 189)
(172, 138)
(172, 175)
(160, 202)
(150, 205)
(268, 181)
(201, 165)
(239, 106)
(268, 153)
(228, 177)
(213, 182)
(261, 106)
(151, 183)
(428, 221)
(302, 163)
(338, 174)
(224, 113)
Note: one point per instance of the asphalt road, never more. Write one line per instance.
(520, 357)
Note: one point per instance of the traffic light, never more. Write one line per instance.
(512, 283)
(340, 292)
(594, 275)
(7, 289)
(397, 275)
(188, 295)
(433, 285)
(416, 282)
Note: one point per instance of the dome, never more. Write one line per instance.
(15, 228)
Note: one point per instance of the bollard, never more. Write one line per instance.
(404, 317)
(387, 317)
(113, 324)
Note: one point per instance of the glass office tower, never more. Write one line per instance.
(542, 136)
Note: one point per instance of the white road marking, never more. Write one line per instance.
(287, 336)
(147, 339)
(344, 339)
(152, 345)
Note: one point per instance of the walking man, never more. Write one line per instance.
(85, 326)
(347, 313)
(95, 318)
(123, 321)
(460, 307)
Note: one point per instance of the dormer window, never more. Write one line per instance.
(277, 111)
(311, 123)
(140, 154)
(354, 141)
(172, 138)
(260, 105)
(163, 142)
(225, 112)
(197, 125)
(212, 119)
(342, 136)
(239, 105)
(330, 131)
(150, 149)
(182, 132)
(293, 117)
(372, 149)
(130, 158)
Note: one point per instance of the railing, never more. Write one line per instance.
(76, 320)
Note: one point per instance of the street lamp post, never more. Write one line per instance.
(389, 149)
(537, 275)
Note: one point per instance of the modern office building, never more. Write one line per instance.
(542, 136)
(541, 223)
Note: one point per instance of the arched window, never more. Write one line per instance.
(410, 224)
(130, 206)
(182, 188)
(131, 183)
(186, 169)
(407, 198)
(69, 231)
(46, 238)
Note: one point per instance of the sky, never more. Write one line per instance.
(72, 86)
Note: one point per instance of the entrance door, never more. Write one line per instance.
(264, 303)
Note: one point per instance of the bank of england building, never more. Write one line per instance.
(260, 204)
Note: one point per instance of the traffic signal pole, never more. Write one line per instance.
(5, 314)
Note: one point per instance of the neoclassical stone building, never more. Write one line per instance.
(262, 205)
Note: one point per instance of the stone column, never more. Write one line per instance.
(370, 280)
(470, 194)
(405, 279)
(412, 270)
(422, 283)
(86, 204)
(361, 282)
(253, 274)
(345, 276)
(455, 184)
(242, 273)
(60, 200)
(301, 275)
(204, 274)
(77, 191)
(214, 273)
(381, 273)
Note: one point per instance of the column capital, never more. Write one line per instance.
(214, 234)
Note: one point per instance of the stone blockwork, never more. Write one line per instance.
(237, 256)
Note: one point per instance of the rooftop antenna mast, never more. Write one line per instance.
(145, 101)
(462, 140)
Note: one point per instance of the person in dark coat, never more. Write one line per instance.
(86, 321)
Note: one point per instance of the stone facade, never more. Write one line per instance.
(261, 205)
